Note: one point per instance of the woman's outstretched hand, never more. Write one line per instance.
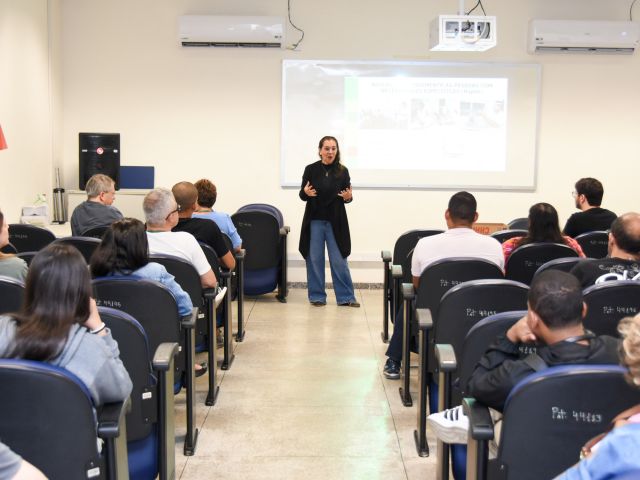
(346, 194)
(309, 190)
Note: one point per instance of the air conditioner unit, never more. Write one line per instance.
(231, 31)
(583, 36)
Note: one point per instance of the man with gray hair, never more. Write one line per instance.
(97, 210)
(161, 213)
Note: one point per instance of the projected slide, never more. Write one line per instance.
(422, 121)
(414, 124)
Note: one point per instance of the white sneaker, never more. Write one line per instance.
(450, 426)
(220, 295)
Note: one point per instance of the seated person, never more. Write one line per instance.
(616, 453)
(591, 217)
(207, 195)
(13, 467)
(623, 262)
(124, 250)
(161, 214)
(458, 241)
(10, 265)
(554, 322)
(543, 228)
(59, 324)
(97, 210)
(205, 231)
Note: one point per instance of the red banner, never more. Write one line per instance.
(3, 142)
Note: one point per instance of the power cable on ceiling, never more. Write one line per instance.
(479, 4)
(294, 46)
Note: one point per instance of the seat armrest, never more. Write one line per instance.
(163, 355)
(209, 293)
(480, 423)
(396, 271)
(385, 255)
(224, 273)
(241, 254)
(284, 231)
(424, 318)
(189, 321)
(408, 293)
(446, 357)
(111, 418)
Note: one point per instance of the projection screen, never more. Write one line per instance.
(414, 124)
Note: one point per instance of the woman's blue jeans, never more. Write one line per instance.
(321, 233)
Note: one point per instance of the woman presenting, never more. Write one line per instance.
(326, 187)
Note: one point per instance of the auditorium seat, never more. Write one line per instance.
(11, 295)
(29, 238)
(264, 237)
(437, 279)
(49, 419)
(547, 418)
(85, 245)
(396, 270)
(27, 256)
(96, 232)
(9, 248)
(521, 223)
(155, 308)
(504, 235)
(204, 301)
(454, 370)
(526, 259)
(609, 302)
(462, 307)
(594, 244)
(564, 264)
(234, 283)
(150, 422)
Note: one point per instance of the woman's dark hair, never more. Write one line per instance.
(207, 193)
(543, 225)
(337, 159)
(124, 248)
(57, 295)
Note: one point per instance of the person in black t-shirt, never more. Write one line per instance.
(203, 230)
(623, 262)
(588, 197)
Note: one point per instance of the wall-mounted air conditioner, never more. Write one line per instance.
(583, 36)
(231, 31)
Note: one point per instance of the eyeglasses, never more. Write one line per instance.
(575, 194)
(177, 210)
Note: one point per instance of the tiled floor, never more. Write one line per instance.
(305, 398)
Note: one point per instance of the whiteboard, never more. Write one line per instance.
(414, 125)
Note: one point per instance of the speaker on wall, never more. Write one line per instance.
(99, 153)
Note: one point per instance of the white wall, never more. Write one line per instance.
(25, 107)
(216, 112)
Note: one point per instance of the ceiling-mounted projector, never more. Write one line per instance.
(462, 33)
